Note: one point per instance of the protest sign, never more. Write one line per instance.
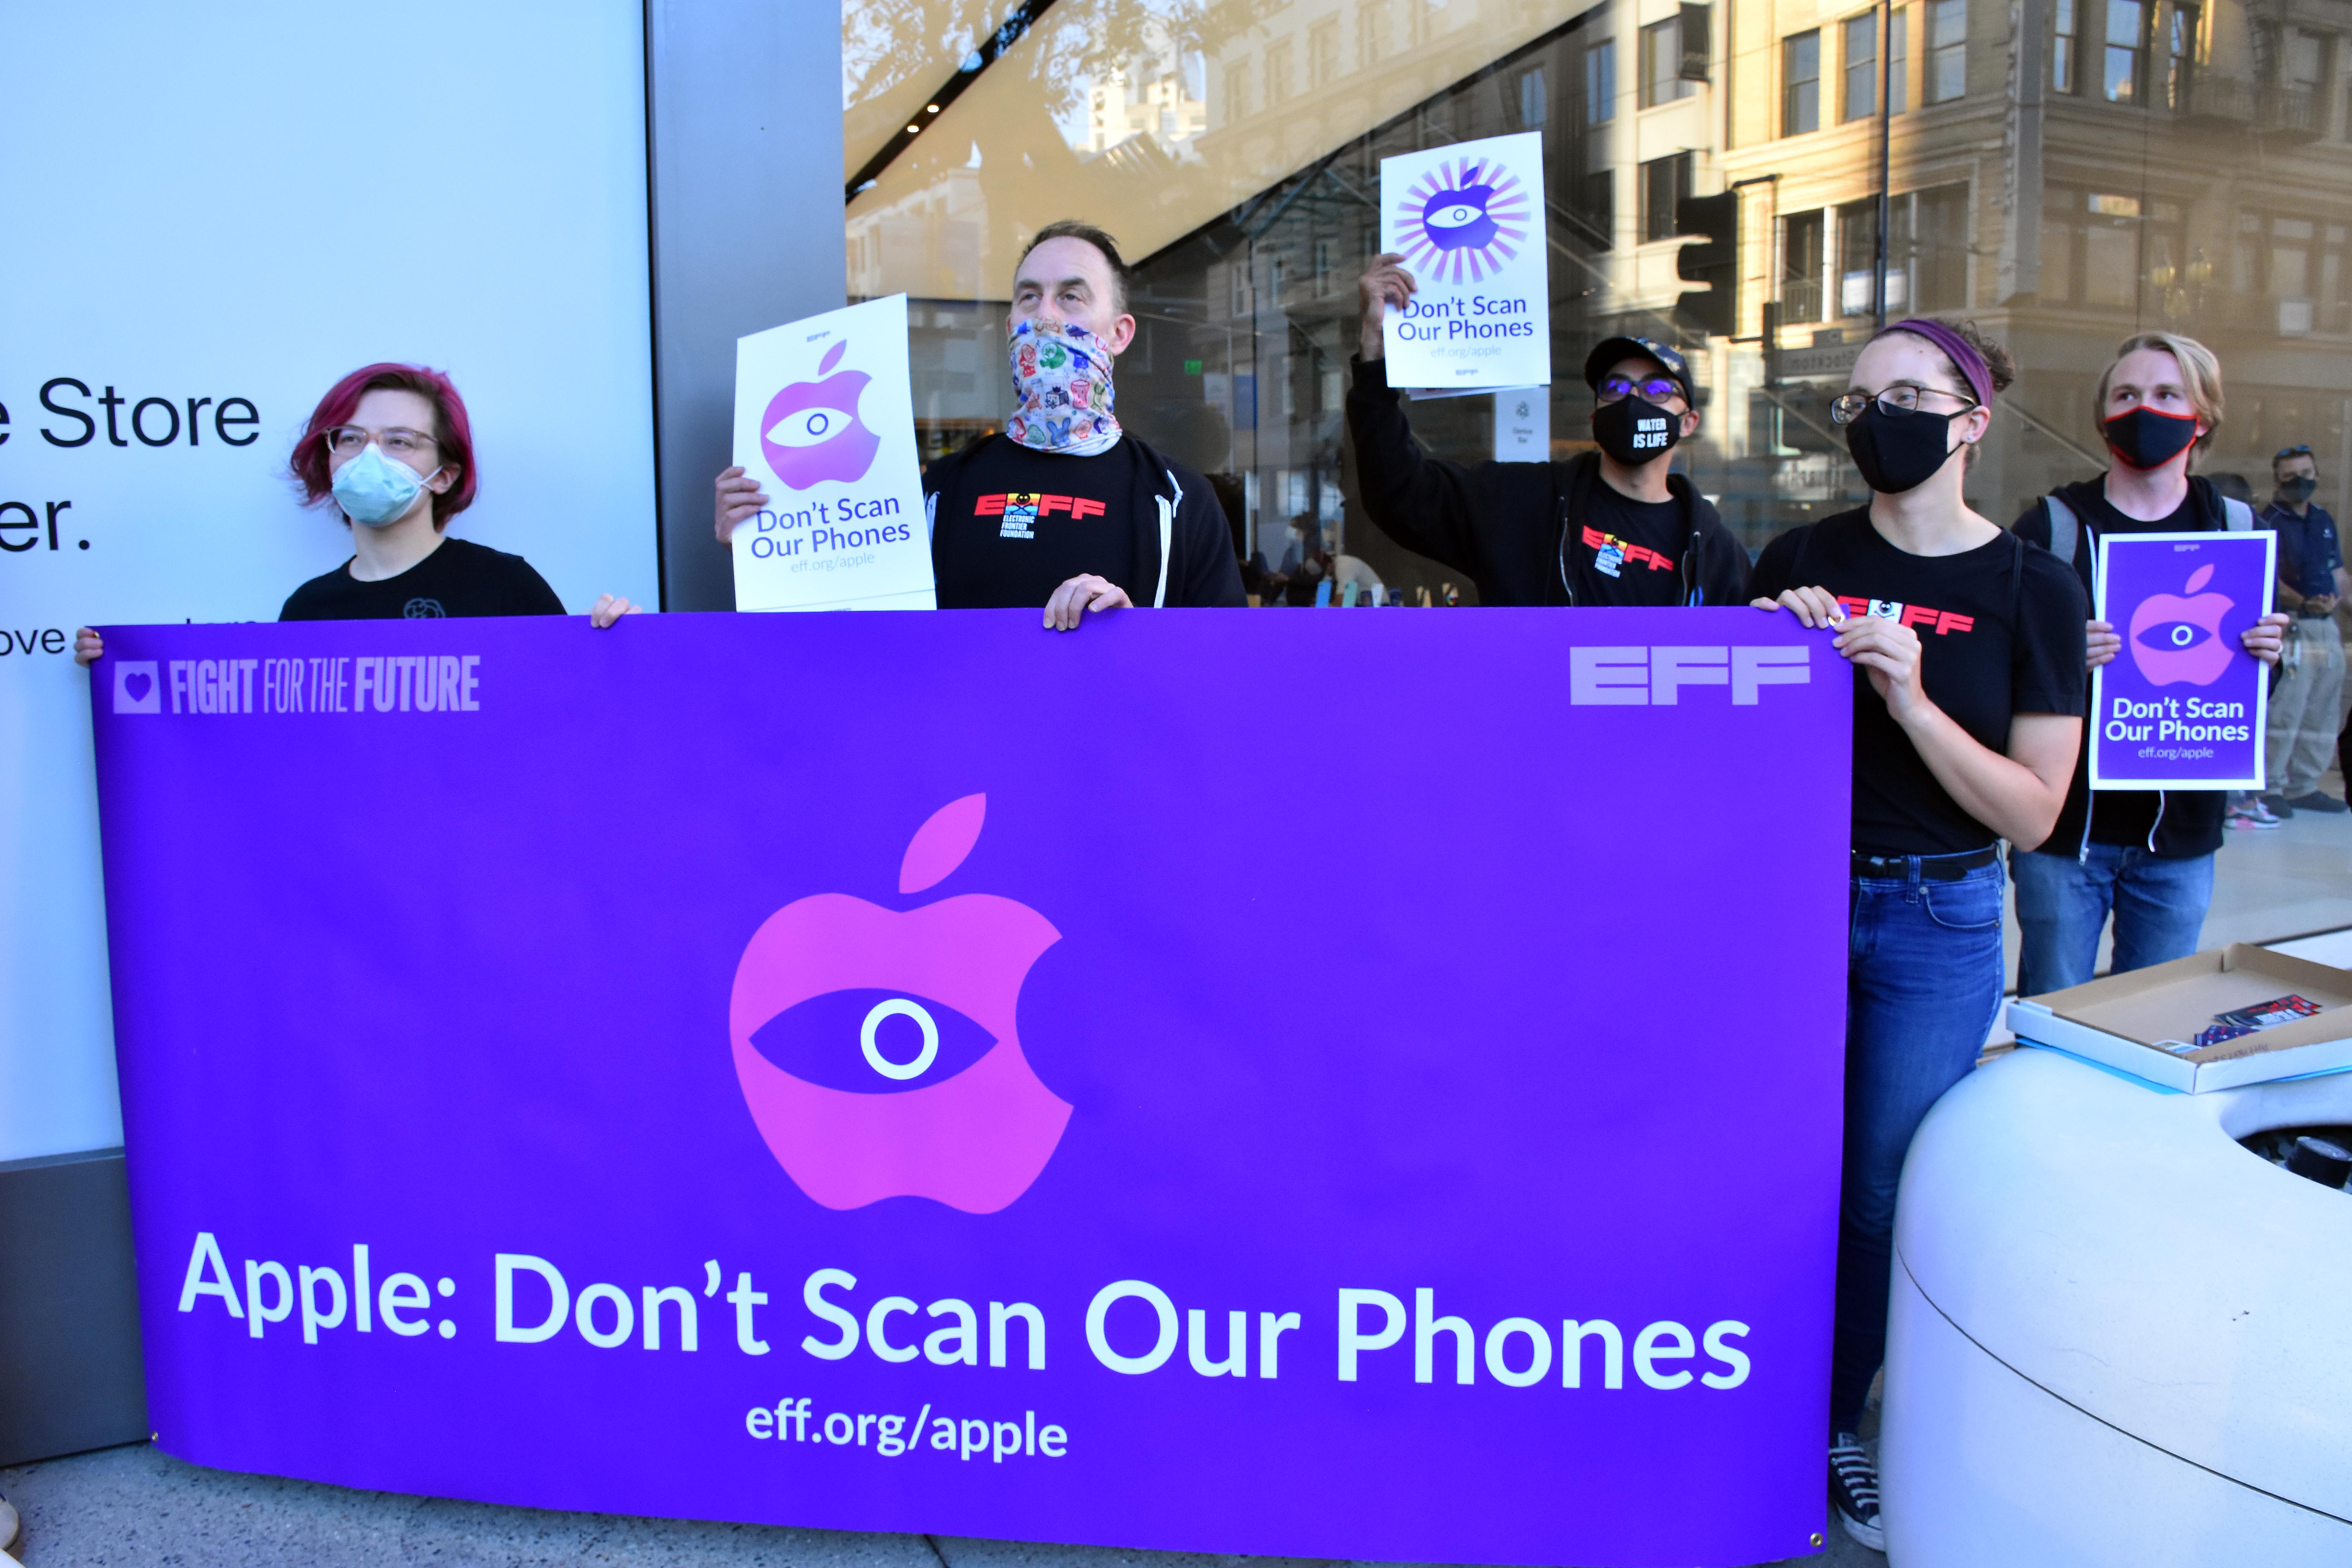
(824, 420)
(2182, 706)
(1469, 221)
(800, 1096)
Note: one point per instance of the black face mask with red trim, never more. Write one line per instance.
(2143, 438)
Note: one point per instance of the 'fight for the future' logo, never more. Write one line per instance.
(941, 974)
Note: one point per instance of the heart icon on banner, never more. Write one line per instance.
(138, 686)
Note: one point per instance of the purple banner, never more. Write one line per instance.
(2182, 706)
(1333, 1086)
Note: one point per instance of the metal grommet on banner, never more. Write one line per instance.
(1815, 1540)
(899, 1007)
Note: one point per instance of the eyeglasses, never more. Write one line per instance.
(1656, 390)
(397, 440)
(1847, 407)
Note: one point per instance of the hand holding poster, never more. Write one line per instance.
(824, 420)
(2182, 706)
(1469, 223)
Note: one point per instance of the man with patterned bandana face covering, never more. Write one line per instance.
(2145, 856)
(1065, 509)
(1615, 526)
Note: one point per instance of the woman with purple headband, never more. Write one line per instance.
(1968, 711)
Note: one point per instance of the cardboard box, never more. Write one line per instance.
(2135, 1022)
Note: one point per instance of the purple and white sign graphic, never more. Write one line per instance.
(923, 1073)
(2182, 706)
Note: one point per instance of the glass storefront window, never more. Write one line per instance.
(2191, 174)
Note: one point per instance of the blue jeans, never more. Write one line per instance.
(1923, 981)
(2158, 904)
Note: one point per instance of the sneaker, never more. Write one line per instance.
(1853, 1491)
(2278, 805)
(2314, 801)
(2246, 821)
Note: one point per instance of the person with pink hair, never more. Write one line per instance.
(392, 447)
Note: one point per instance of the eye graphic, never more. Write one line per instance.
(811, 427)
(1457, 214)
(872, 1042)
(2173, 637)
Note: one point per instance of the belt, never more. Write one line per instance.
(1933, 868)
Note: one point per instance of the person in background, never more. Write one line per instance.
(1966, 648)
(2304, 723)
(390, 446)
(1613, 527)
(1065, 508)
(2144, 855)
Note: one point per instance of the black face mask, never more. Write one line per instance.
(1898, 452)
(2296, 490)
(1632, 431)
(2143, 438)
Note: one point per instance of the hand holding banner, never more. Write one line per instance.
(845, 530)
(2182, 706)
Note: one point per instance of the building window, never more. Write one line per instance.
(1600, 83)
(1857, 244)
(2124, 26)
(1372, 33)
(1323, 267)
(2179, 52)
(1323, 53)
(1600, 206)
(1800, 266)
(1898, 64)
(1237, 94)
(1662, 64)
(2061, 48)
(1801, 83)
(1861, 66)
(1277, 72)
(1948, 49)
(1939, 248)
(1664, 182)
(1535, 104)
(2305, 108)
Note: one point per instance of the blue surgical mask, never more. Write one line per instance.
(374, 490)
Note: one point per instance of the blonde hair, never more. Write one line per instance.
(2201, 377)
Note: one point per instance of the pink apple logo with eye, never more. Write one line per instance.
(974, 1140)
(2175, 638)
(811, 434)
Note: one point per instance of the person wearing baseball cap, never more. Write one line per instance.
(1615, 526)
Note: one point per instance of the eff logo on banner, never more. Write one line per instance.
(2183, 706)
(1466, 220)
(973, 1139)
(824, 420)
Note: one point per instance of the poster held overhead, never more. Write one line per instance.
(824, 420)
(1469, 223)
(2183, 705)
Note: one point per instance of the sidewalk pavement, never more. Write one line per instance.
(135, 1506)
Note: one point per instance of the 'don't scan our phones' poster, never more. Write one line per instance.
(1468, 220)
(2183, 705)
(824, 420)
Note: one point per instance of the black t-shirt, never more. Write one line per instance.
(2001, 633)
(459, 578)
(1013, 524)
(1627, 552)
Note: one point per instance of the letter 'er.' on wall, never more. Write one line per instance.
(824, 420)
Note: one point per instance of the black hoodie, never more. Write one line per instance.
(1506, 524)
(2187, 821)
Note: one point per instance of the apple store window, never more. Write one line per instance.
(2187, 173)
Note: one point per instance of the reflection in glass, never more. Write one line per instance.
(2123, 50)
(1948, 49)
(1801, 79)
(1861, 43)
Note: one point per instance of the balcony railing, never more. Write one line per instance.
(1801, 299)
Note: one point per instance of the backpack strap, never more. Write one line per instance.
(2065, 529)
(2236, 516)
(1166, 535)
